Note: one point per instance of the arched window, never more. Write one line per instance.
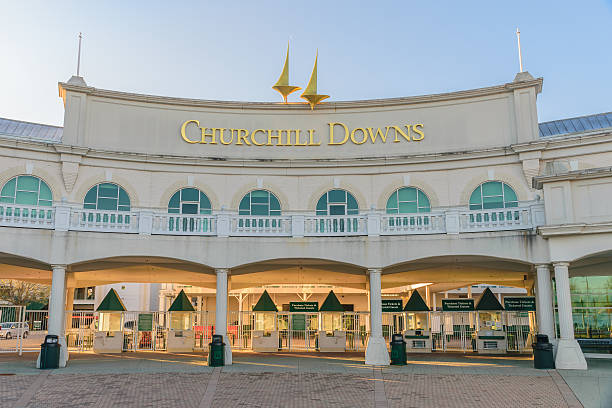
(259, 202)
(493, 194)
(189, 201)
(107, 196)
(26, 190)
(407, 200)
(337, 202)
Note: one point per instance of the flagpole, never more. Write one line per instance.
(518, 39)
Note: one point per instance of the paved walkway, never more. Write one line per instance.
(294, 380)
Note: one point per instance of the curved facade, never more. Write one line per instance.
(450, 190)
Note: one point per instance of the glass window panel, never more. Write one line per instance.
(514, 204)
(322, 205)
(259, 199)
(108, 190)
(260, 209)
(337, 210)
(492, 188)
(337, 196)
(124, 199)
(27, 183)
(392, 202)
(205, 210)
(422, 198)
(190, 194)
(45, 192)
(351, 202)
(352, 211)
(509, 194)
(245, 203)
(9, 200)
(392, 210)
(89, 206)
(187, 208)
(243, 212)
(45, 203)
(407, 194)
(173, 210)
(204, 202)
(109, 204)
(175, 200)
(476, 198)
(123, 208)
(275, 212)
(27, 198)
(259, 193)
(274, 204)
(9, 188)
(407, 207)
(91, 196)
(492, 202)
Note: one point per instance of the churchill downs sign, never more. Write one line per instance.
(339, 134)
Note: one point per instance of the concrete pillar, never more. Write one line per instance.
(376, 351)
(446, 295)
(57, 306)
(569, 354)
(221, 312)
(469, 291)
(433, 301)
(544, 301)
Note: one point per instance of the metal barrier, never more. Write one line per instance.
(392, 322)
(204, 328)
(145, 331)
(453, 331)
(520, 331)
(13, 328)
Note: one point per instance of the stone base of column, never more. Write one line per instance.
(376, 352)
(64, 355)
(228, 355)
(569, 356)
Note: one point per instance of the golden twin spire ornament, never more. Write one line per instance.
(309, 94)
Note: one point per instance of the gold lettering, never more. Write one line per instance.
(311, 138)
(365, 136)
(297, 138)
(374, 136)
(399, 131)
(183, 135)
(242, 134)
(278, 136)
(331, 133)
(288, 137)
(212, 135)
(255, 142)
(420, 132)
(222, 140)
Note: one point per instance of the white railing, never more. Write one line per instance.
(527, 216)
(103, 221)
(175, 224)
(335, 225)
(15, 215)
(420, 223)
(495, 220)
(246, 225)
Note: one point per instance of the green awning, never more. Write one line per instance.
(488, 301)
(265, 303)
(111, 303)
(181, 303)
(331, 304)
(37, 306)
(416, 303)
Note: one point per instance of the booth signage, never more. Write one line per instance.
(457, 305)
(145, 322)
(304, 307)
(520, 304)
(392, 305)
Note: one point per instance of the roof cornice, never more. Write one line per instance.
(371, 103)
(572, 175)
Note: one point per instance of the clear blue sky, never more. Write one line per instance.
(371, 49)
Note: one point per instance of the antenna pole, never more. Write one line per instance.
(79, 55)
(518, 39)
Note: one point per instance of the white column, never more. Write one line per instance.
(69, 307)
(221, 312)
(433, 301)
(57, 311)
(569, 354)
(376, 351)
(544, 300)
(469, 291)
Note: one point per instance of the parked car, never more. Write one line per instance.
(8, 330)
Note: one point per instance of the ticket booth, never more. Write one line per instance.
(332, 336)
(490, 334)
(181, 334)
(108, 337)
(265, 332)
(418, 330)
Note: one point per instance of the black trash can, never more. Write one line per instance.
(398, 350)
(216, 351)
(50, 352)
(543, 353)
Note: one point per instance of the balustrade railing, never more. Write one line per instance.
(15, 215)
(526, 216)
(335, 225)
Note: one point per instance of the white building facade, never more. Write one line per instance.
(376, 197)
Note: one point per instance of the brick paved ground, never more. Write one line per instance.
(280, 380)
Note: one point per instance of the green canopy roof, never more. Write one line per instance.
(416, 303)
(181, 303)
(37, 306)
(265, 303)
(488, 301)
(331, 304)
(111, 303)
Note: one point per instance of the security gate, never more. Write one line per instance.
(453, 331)
(142, 331)
(80, 330)
(12, 328)
(297, 331)
(392, 322)
(520, 331)
(357, 326)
